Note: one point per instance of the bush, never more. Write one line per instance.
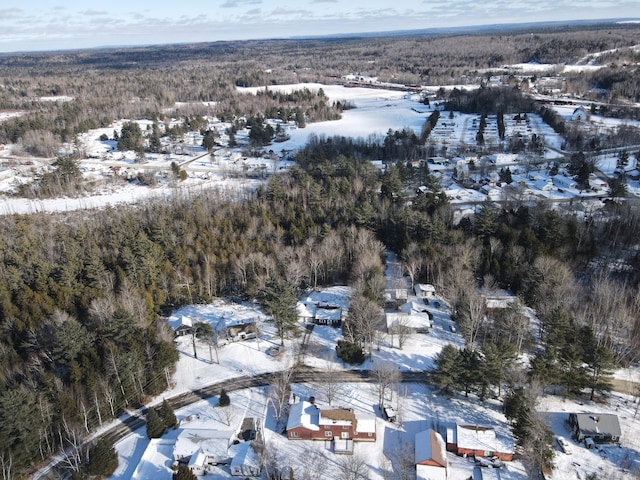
(224, 399)
(350, 352)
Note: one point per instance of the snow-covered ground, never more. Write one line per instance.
(231, 170)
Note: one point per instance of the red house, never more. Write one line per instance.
(430, 456)
(479, 441)
(309, 422)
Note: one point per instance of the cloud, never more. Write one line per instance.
(93, 13)
(325, 1)
(239, 3)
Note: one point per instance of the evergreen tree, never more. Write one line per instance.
(184, 473)
(447, 369)
(574, 375)
(279, 300)
(155, 427)
(350, 352)
(154, 141)
(470, 370)
(209, 140)
(130, 137)
(224, 400)
(167, 415)
(103, 459)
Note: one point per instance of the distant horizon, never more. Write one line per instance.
(346, 35)
(46, 26)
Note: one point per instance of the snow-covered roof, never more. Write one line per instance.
(212, 442)
(306, 309)
(430, 446)
(303, 414)
(428, 472)
(243, 454)
(424, 288)
(220, 315)
(475, 437)
(366, 424)
(328, 313)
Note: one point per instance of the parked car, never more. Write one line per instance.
(563, 445)
(276, 350)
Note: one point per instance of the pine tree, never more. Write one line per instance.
(279, 300)
(184, 473)
(224, 399)
(168, 416)
(447, 369)
(155, 427)
(103, 459)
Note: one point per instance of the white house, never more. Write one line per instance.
(203, 447)
(544, 184)
(412, 316)
(424, 290)
(492, 192)
(561, 181)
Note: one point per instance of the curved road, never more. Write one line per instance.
(136, 420)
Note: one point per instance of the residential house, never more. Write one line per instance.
(491, 191)
(544, 184)
(183, 327)
(201, 448)
(413, 317)
(479, 441)
(599, 427)
(307, 421)
(561, 181)
(430, 456)
(424, 290)
(394, 297)
(319, 313)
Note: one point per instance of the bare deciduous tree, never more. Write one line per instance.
(353, 467)
(385, 375)
(279, 391)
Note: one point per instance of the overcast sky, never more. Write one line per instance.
(66, 24)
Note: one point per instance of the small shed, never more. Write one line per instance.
(579, 115)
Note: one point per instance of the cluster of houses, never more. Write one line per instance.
(409, 313)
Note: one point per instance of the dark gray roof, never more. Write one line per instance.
(594, 424)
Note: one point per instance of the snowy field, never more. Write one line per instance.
(231, 172)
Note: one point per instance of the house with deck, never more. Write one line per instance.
(479, 441)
